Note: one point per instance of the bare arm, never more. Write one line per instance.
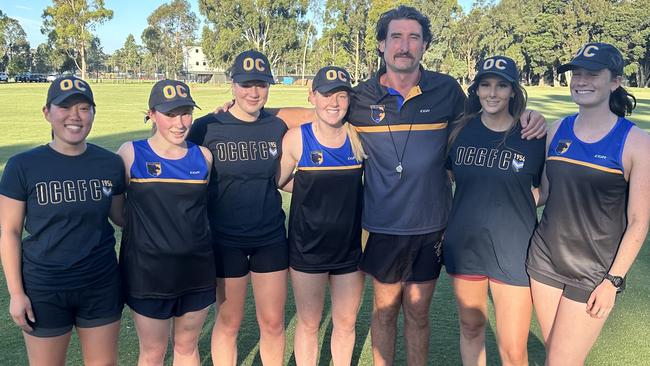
(294, 116)
(291, 148)
(12, 217)
(116, 213)
(637, 166)
(542, 194)
(208, 159)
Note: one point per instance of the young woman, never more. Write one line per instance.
(245, 211)
(166, 256)
(598, 207)
(493, 213)
(325, 218)
(64, 273)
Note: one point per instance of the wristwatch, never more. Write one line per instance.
(617, 281)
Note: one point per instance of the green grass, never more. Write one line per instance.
(119, 118)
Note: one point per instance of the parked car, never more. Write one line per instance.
(4, 77)
(24, 77)
(38, 78)
(52, 76)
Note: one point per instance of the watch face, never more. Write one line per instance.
(617, 281)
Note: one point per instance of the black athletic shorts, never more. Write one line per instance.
(403, 258)
(57, 311)
(176, 307)
(232, 262)
(570, 292)
(331, 272)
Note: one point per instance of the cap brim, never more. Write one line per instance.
(581, 64)
(240, 78)
(329, 87)
(501, 74)
(169, 106)
(59, 100)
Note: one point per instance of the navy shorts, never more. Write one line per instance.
(175, 307)
(57, 311)
(233, 262)
(403, 258)
(332, 272)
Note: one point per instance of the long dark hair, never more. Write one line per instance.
(516, 106)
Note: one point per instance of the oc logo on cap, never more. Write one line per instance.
(336, 74)
(171, 91)
(587, 50)
(498, 63)
(67, 84)
(249, 63)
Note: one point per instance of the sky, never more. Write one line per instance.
(129, 17)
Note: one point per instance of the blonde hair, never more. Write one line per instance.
(355, 142)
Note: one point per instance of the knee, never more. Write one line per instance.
(387, 314)
(473, 328)
(185, 348)
(310, 325)
(344, 322)
(153, 354)
(228, 323)
(515, 354)
(272, 325)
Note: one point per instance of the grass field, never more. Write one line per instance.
(120, 111)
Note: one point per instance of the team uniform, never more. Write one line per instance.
(585, 215)
(407, 192)
(325, 214)
(244, 205)
(493, 214)
(166, 255)
(69, 265)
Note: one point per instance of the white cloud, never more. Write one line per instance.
(22, 7)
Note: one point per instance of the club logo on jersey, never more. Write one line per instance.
(562, 146)
(377, 112)
(107, 190)
(518, 161)
(273, 148)
(154, 169)
(316, 157)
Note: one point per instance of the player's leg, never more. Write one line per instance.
(269, 270)
(47, 351)
(514, 308)
(546, 299)
(471, 299)
(387, 301)
(187, 329)
(309, 295)
(153, 335)
(574, 333)
(346, 291)
(270, 291)
(231, 296)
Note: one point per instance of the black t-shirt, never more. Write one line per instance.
(244, 205)
(493, 213)
(70, 243)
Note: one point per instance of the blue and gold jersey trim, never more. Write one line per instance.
(583, 163)
(402, 127)
(346, 167)
(167, 180)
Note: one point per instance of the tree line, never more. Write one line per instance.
(300, 36)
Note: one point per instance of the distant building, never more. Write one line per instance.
(197, 67)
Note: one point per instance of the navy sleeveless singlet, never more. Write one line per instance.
(325, 214)
(166, 250)
(585, 214)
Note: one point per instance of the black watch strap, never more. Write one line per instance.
(617, 281)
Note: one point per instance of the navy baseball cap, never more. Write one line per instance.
(66, 86)
(596, 56)
(498, 65)
(251, 65)
(329, 78)
(167, 95)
